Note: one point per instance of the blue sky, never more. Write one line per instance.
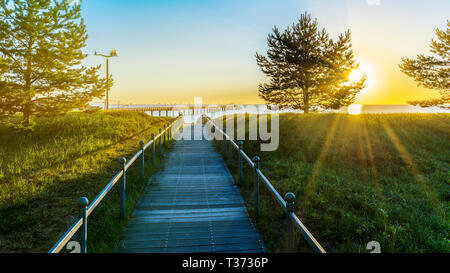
(171, 51)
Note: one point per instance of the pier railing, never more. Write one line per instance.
(165, 134)
(287, 204)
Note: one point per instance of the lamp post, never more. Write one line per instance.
(112, 54)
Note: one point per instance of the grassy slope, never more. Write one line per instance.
(43, 173)
(358, 179)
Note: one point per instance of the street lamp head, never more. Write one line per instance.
(113, 53)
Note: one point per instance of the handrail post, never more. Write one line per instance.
(160, 144)
(153, 148)
(224, 141)
(290, 207)
(165, 135)
(142, 143)
(169, 131)
(124, 186)
(240, 143)
(173, 127)
(83, 203)
(230, 160)
(256, 161)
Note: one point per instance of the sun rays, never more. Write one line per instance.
(367, 144)
(322, 156)
(410, 165)
(373, 176)
(366, 156)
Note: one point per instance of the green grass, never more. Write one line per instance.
(45, 171)
(358, 179)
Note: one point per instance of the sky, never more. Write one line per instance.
(172, 51)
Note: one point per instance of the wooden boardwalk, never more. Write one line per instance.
(191, 205)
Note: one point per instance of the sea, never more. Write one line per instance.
(364, 108)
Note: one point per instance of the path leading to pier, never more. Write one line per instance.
(191, 205)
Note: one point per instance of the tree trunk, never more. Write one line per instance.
(27, 107)
(26, 115)
(306, 102)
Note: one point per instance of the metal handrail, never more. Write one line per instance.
(272, 190)
(87, 210)
(104, 192)
(287, 204)
(67, 236)
(306, 234)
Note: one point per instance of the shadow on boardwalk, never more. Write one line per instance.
(191, 205)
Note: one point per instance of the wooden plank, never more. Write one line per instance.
(191, 205)
(214, 225)
(193, 211)
(181, 234)
(228, 248)
(190, 231)
(243, 241)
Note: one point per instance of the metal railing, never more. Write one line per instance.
(287, 204)
(86, 209)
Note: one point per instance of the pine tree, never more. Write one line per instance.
(308, 70)
(432, 72)
(41, 45)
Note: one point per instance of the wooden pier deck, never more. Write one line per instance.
(191, 205)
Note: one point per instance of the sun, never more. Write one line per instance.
(364, 69)
(356, 75)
